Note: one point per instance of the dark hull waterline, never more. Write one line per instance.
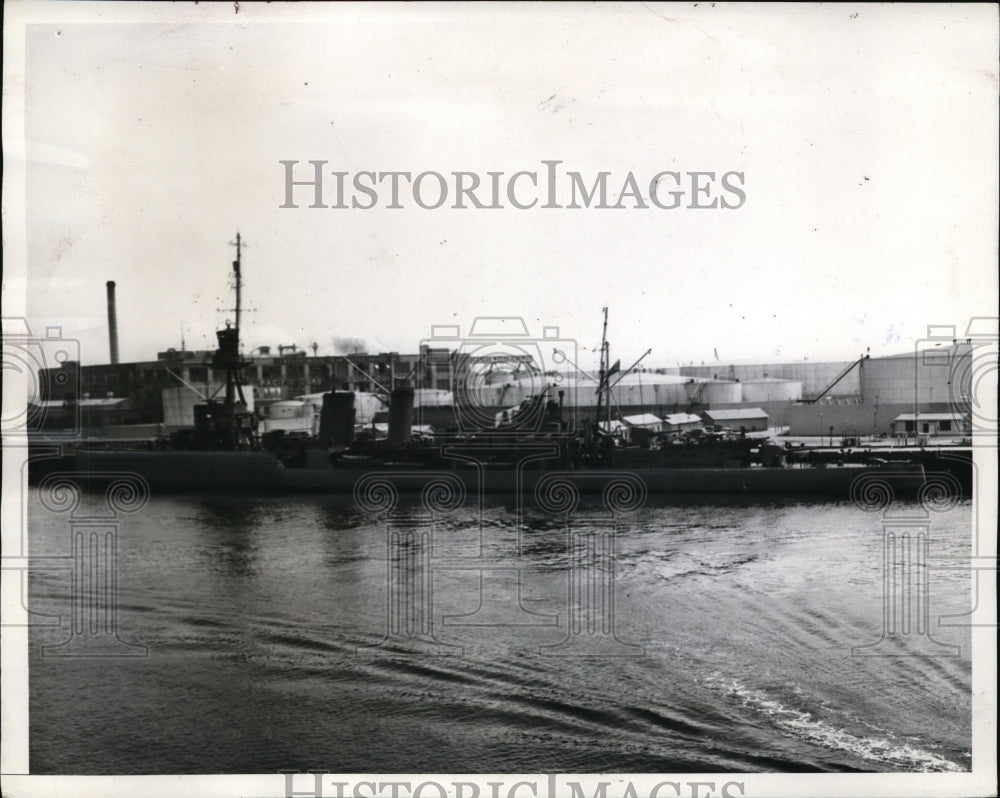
(172, 471)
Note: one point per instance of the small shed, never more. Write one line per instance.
(678, 422)
(929, 424)
(751, 419)
(646, 421)
(642, 427)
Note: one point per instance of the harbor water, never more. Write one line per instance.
(255, 634)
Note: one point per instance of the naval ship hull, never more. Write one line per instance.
(263, 473)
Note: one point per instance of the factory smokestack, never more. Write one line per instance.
(112, 322)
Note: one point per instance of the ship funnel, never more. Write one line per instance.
(400, 415)
(112, 322)
(336, 420)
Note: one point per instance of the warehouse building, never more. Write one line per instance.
(751, 419)
(679, 422)
(908, 425)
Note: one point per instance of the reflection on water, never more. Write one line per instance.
(231, 529)
(675, 635)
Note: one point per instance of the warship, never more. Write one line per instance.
(526, 450)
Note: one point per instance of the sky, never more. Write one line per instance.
(865, 137)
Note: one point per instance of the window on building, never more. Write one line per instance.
(945, 426)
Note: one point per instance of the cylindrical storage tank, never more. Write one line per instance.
(666, 394)
(771, 390)
(400, 415)
(722, 392)
(336, 421)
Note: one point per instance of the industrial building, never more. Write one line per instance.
(679, 422)
(868, 396)
(936, 379)
(647, 421)
(909, 425)
(166, 389)
(750, 419)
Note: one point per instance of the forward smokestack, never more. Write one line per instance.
(112, 322)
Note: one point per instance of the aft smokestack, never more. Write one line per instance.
(112, 322)
(400, 415)
(336, 420)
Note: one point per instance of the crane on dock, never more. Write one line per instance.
(847, 370)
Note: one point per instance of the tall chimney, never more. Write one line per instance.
(112, 322)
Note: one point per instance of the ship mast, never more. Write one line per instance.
(607, 374)
(239, 283)
(228, 354)
(237, 362)
(602, 373)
